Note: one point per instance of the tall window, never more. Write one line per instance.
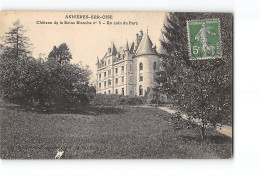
(105, 92)
(117, 91)
(105, 84)
(100, 75)
(116, 70)
(141, 77)
(141, 66)
(109, 73)
(116, 80)
(122, 69)
(105, 74)
(109, 92)
(140, 90)
(130, 67)
(154, 65)
(99, 85)
(123, 79)
(109, 82)
(123, 91)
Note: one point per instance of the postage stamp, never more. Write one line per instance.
(204, 39)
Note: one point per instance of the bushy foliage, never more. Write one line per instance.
(54, 82)
(60, 54)
(201, 88)
(115, 100)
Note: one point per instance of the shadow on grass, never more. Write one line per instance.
(87, 110)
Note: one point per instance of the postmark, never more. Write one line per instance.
(204, 39)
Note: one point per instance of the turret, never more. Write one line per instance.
(146, 61)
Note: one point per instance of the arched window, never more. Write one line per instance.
(154, 65)
(141, 66)
(140, 90)
(141, 77)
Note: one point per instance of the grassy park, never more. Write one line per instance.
(103, 132)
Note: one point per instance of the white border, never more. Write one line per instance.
(246, 96)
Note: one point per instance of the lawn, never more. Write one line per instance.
(104, 132)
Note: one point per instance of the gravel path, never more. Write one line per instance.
(224, 129)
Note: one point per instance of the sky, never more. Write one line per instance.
(85, 41)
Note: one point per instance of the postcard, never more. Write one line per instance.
(116, 85)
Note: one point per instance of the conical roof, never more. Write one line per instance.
(132, 47)
(145, 46)
(114, 51)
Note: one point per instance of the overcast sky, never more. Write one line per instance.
(85, 41)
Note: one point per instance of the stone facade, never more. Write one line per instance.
(128, 70)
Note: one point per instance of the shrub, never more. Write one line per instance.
(116, 100)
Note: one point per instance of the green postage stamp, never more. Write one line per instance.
(204, 39)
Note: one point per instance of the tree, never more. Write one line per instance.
(15, 62)
(66, 84)
(201, 88)
(61, 54)
(15, 42)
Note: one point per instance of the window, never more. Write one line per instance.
(130, 67)
(100, 75)
(123, 91)
(109, 92)
(154, 65)
(105, 74)
(123, 79)
(117, 91)
(109, 82)
(141, 66)
(99, 85)
(122, 69)
(116, 80)
(130, 79)
(141, 77)
(116, 70)
(140, 90)
(108, 61)
(105, 84)
(109, 73)
(105, 92)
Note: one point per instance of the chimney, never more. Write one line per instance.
(141, 33)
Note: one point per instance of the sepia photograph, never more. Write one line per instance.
(116, 85)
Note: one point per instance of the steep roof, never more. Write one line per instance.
(132, 47)
(145, 46)
(114, 51)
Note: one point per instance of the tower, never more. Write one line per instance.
(146, 63)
